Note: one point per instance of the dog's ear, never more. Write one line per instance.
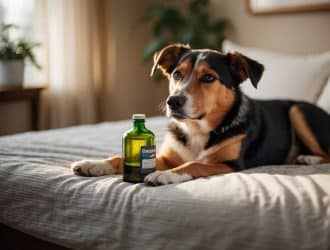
(167, 58)
(242, 67)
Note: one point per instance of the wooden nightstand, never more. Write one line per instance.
(30, 94)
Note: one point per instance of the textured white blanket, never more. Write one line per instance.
(273, 207)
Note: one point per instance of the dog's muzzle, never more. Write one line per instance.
(176, 102)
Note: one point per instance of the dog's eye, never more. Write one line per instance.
(177, 75)
(208, 78)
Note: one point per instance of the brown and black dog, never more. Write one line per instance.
(216, 129)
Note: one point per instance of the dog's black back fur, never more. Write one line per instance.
(269, 132)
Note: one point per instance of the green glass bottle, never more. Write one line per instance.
(139, 151)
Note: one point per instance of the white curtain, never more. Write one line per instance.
(67, 30)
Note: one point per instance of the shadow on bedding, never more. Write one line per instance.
(291, 169)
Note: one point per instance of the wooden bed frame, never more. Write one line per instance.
(11, 239)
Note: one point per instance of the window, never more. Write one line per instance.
(23, 13)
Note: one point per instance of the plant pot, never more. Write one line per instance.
(11, 73)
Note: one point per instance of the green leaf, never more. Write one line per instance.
(169, 21)
(6, 27)
(218, 26)
(186, 34)
(197, 5)
(152, 47)
(31, 57)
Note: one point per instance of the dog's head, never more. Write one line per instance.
(203, 83)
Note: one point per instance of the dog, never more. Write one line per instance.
(216, 129)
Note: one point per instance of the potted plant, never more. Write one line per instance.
(13, 53)
(190, 24)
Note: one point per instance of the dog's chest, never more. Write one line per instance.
(197, 137)
(187, 140)
(196, 143)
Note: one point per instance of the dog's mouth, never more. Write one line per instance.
(181, 116)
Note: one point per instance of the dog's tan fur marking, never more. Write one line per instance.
(226, 150)
(116, 162)
(304, 132)
(325, 159)
(198, 169)
(168, 159)
(223, 101)
(214, 99)
(184, 68)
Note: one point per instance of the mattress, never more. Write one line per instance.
(270, 207)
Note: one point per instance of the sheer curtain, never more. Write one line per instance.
(70, 54)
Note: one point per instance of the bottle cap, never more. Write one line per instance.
(138, 116)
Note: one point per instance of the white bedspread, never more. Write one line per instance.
(273, 207)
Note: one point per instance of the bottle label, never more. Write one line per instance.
(146, 165)
(147, 159)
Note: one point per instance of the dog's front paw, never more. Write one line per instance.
(164, 177)
(92, 168)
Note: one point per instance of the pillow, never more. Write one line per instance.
(286, 76)
(324, 99)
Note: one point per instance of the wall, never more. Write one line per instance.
(295, 32)
(127, 87)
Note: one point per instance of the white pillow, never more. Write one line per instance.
(324, 99)
(286, 76)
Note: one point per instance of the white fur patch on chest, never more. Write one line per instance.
(171, 142)
(197, 136)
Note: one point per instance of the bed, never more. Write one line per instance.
(44, 206)
(271, 207)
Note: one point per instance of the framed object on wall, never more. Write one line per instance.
(260, 7)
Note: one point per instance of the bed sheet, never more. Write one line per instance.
(271, 207)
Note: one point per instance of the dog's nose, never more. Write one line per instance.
(176, 102)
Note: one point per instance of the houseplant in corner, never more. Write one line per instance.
(13, 53)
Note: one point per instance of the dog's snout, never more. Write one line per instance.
(176, 102)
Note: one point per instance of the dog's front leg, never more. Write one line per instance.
(186, 172)
(111, 165)
(226, 151)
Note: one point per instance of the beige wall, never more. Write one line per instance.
(127, 87)
(295, 32)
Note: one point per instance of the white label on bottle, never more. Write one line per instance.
(148, 163)
(148, 157)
